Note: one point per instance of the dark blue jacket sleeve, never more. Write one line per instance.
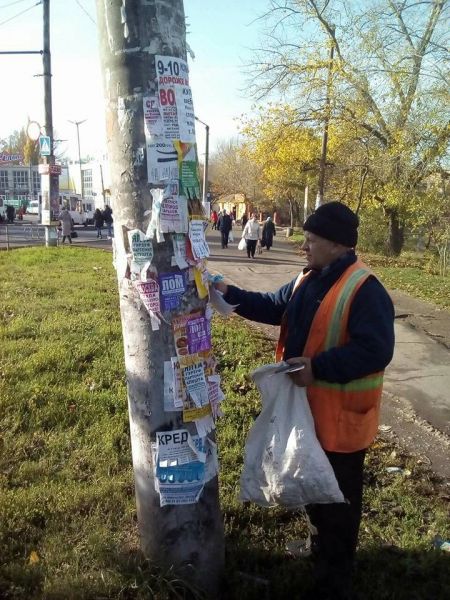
(261, 307)
(371, 344)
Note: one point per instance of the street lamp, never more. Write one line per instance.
(205, 170)
(77, 124)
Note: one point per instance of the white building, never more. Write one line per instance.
(19, 184)
(96, 182)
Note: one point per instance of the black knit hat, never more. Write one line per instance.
(335, 222)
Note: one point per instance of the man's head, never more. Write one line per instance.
(329, 233)
(224, 212)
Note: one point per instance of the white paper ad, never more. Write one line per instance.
(200, 248)
(180, 467)
(175, 99)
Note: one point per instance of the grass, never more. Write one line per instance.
(67, 511)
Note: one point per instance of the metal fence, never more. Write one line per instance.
(12, 236)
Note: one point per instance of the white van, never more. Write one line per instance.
(33, 207)
(74, 205)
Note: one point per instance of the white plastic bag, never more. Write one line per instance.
(284, 463)
(242, 245)
(231, 237)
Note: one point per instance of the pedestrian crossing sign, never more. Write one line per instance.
(44, 145)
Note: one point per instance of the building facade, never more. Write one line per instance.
(94, 182)
(19, 184)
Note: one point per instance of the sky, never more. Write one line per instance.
(220, 33)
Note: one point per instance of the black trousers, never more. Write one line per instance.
(335, 527)
(224, 235)
(251, 247)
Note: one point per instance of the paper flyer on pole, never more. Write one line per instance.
(195, 382)
(172, 286)
(162, 160)
(180, 333)
(200, 248)
(179, 251)
(198, 334)
(175, 98)
(180, 467)
(149, 294)
(141, 247)
(173, 213)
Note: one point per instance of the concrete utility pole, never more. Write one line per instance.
(50, 180)
(205, 170)
(77, 125)
(323, 156)
(188, 537)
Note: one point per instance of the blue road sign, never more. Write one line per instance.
(44, 145)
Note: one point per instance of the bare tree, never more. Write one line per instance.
(389, 81)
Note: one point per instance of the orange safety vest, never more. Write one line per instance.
(345, 415)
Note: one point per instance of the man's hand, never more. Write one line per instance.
(305, 376)
(221, 286)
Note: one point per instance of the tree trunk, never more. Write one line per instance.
(396, 234)
(187, 537)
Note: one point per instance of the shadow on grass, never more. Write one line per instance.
(380, 574)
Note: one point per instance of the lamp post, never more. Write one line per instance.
(205, 170)
(77, 124)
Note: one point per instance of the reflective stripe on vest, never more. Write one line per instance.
(345, 415)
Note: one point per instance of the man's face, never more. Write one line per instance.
(319, 251)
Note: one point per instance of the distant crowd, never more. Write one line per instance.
(254, 236)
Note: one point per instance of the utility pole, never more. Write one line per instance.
(205, 170)
(143, 46)
(77, 125)
(323, 156)
(50, 180)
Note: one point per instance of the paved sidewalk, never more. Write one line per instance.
(417, 402)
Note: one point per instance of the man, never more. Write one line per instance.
(108, 218)
(224, 226)
(337, 319)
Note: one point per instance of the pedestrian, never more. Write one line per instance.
(337, 320)
(214, 219)
(66, 225)
(10, 213)
(224, 225)
(98, 222)
(244, 220)
(251, 234)
(268, 231)
(108, 218)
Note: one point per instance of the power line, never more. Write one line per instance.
(85, 12)
(12, 3)
(21, 13)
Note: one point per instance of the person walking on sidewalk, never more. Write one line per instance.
(268, 231)
(224, 225)
(66, 225)
(336, 319)
(251, 235)
(108, 218)
(98, 222)
(214, 219)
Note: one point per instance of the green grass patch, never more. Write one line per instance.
(413, 273)
(67, 509)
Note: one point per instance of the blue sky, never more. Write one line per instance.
(220, 33)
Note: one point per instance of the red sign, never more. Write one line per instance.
(45, 169)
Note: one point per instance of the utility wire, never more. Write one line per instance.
(12, 3)
(85, 11)
(21, 13)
